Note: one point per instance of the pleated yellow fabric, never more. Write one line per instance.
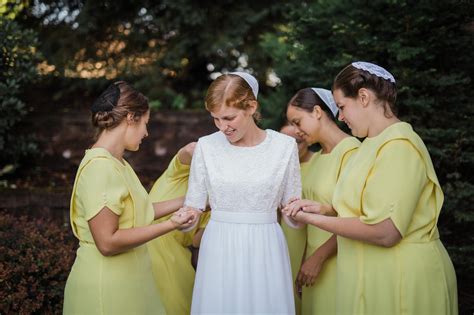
(120, 284)
(318, 185)
(171, 259)
(392, 176)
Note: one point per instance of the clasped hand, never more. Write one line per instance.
(296, 205)
(185, 217)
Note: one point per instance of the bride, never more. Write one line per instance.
(245, 173)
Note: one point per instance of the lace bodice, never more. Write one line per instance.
(244, 179)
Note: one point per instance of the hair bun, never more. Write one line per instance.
(107, 100)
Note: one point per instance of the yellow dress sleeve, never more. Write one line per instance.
(101, 185)
(345, 158)
(394, 185)
(177, 170)
(204, 219)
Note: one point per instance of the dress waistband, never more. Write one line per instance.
(244, 217)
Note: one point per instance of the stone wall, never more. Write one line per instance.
(63, 137)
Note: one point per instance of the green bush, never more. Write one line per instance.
(18, 59)
(36, 256)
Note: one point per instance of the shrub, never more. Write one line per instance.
(18, 58)
(36, 256)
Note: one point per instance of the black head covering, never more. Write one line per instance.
(107, 100)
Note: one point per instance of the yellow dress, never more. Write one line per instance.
(392, 176)
(296, 240)
(322, 174)
(119, 284)
(171, 259)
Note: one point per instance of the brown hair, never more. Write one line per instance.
(230, 90)
(306, 99)
(113, 105)
(351, 79)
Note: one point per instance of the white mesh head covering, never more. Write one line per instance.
(250, 79)
(374, 69)
(327, 98)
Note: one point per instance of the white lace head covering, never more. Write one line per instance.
(250, 79)
(327, 98)
(374, 69)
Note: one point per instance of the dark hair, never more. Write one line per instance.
(306, 99)
(351, 79)
(230, 90)
(113, 105)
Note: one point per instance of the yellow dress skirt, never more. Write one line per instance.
(119, 284)
(296, 240)
(323, 171)
(171, 258)
(391, 176)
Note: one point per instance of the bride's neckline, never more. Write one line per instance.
(265, 140)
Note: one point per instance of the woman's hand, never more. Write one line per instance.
(195, 214)
(308, 206)
(310, 270)
(183, 218)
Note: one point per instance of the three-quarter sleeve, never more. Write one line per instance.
(394, 185)
(292, 185)
(292, 180)
(196, 195)
(176, 170)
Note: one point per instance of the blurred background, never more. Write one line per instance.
(57, 56)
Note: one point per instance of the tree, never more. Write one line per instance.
(168, 49)
(19, 57)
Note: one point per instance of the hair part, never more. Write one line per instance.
(130, 102)
(306, 99)
(351, 79)
(233, 91)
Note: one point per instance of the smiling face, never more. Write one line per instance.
(306, 123)
(351, 112)
(136, 131)
(233, 122)
(291, 131)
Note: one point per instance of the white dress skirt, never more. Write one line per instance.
(244, 266)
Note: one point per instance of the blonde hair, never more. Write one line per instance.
(230, 90)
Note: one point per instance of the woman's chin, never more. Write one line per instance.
(133, 149)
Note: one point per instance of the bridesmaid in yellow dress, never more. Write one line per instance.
(170, 256)
(296, 238)
(390, 257)
(111, 215)
(313, 113)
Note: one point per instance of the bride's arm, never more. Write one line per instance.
(196, 196)
(292, 186)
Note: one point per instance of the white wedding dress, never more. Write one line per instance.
(244, 266)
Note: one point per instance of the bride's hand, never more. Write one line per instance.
(294, 206)
(196, 213)
(182, 219)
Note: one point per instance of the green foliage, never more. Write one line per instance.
(35, 259)
(428, 46)
(18, 68)
(167, 49)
